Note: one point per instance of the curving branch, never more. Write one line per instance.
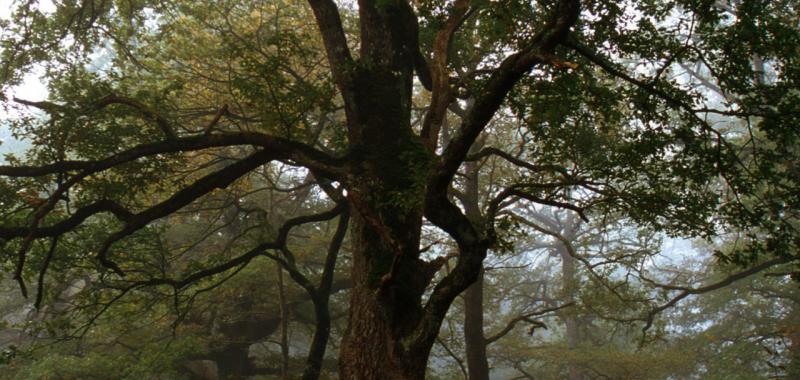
(43, 271)
(162, 123)
(321, 298)
(649, 318)
(524, 318)
(502, 80)
(319, 294)
(687, 291)
(217, 180)
(283, 149)
(573, 252)
(518, 191)
(70, 223)
(473, 241)
(278, 244)
(651, 89)
(490, 151)
(145, 111)
(455, 357)
(133, 221)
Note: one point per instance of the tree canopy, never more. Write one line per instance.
(182, 142)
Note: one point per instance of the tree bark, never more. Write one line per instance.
(321, 297)
(284, 326)
(395, 177)
(474, 339)
(569, 288)
(380, 318)
(387, 199)
(475, 342)
(570, 319)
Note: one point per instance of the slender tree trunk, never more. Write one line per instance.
(570, 319)
(321, 297)
(316, 354)
(284, 326)
(475, 342)
(474, 339)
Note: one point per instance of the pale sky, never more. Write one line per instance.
(32, 88)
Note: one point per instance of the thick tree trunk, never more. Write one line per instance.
(387, 199)
(380, 318)
(373, 350)
(394, 176)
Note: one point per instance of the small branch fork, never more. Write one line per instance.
(527, 317)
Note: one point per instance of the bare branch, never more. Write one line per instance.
(517, 191)
(49, 107)
(687, 291)
(455, 357)
(523, 318)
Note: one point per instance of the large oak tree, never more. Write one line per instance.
(361, 97)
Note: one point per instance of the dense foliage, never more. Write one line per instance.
(205, 177)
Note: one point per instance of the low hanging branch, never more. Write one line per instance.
(133, 222)
(282, 149)
(187, 195)
(43, 271)
(278, 244)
